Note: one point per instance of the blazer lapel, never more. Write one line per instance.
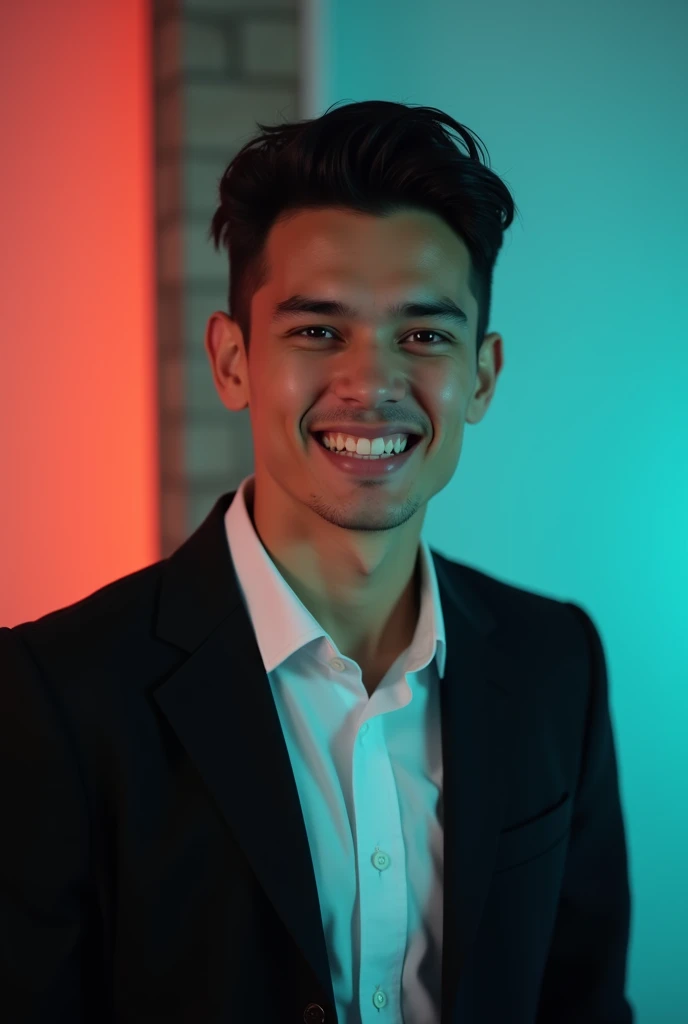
(220, 705)
(478, 736)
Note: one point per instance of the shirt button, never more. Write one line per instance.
(337, 664)
(381, 860)
(363, 730)
(314, 1014)
(379, 999)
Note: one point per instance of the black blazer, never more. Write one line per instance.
(154, 864)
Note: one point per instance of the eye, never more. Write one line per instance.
(444, 339)
(438, 334)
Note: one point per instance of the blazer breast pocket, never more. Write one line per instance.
(524, 843)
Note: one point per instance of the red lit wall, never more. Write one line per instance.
(78, 478)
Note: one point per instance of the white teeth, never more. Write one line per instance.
(379, 446)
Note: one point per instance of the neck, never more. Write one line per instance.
(368, 620)
(363, 588)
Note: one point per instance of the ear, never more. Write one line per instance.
(224, 344)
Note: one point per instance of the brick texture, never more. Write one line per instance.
(220, 66)
(270, 46)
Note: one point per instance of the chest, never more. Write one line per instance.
(374, 672)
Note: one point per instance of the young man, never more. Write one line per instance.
(308, 769)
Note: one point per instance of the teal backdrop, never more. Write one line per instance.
(576, 482)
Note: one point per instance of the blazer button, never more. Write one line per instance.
(314, 1014)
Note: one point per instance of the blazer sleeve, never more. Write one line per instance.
(44, 853)
(585, 973)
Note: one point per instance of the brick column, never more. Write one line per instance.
(219, 66)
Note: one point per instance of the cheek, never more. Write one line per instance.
(443, 399)
(290, 381)
(277, 390)
(447, 386)
(281, 397)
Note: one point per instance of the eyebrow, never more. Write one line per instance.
(443, 308)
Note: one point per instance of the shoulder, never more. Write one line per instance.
(109, 615)
(524, 612)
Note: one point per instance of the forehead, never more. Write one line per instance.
(405, 249)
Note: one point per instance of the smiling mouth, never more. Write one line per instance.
(411, 441)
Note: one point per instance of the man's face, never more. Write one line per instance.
(308, 369)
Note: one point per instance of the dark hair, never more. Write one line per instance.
(374, 157)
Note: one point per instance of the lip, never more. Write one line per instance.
(367, 468)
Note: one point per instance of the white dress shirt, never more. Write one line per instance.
(369, 776)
